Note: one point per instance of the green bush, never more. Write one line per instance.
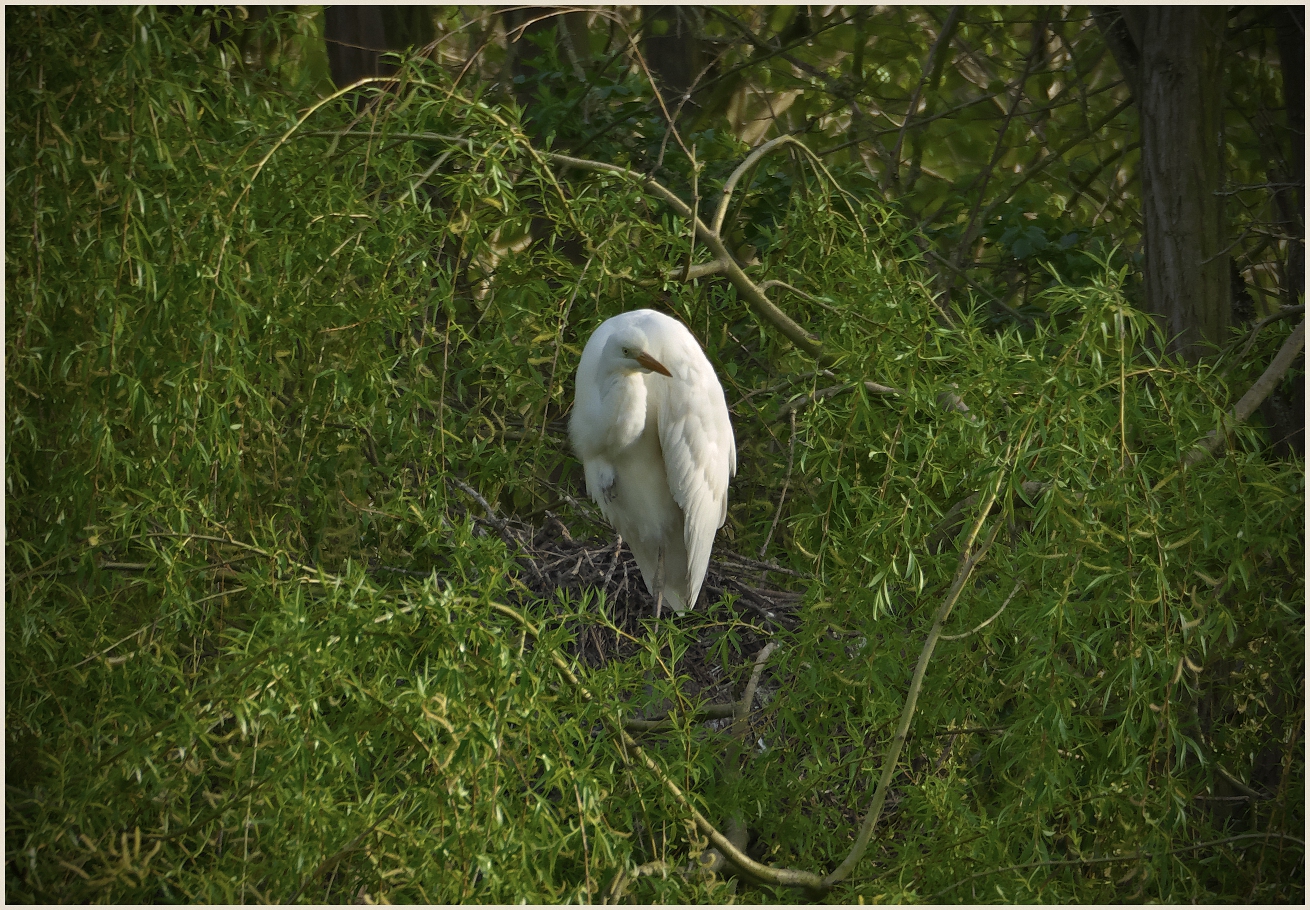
(259, 649)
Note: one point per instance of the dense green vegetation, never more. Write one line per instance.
(259, 647)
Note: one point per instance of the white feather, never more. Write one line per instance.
(657, 450)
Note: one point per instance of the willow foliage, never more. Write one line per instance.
(254, 648)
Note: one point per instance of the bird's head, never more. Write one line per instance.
(629, 351)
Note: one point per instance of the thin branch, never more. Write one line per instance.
(1284, 313)
(259, 166)
(337, 857)
(126, 566)
(1087, 181)
(782, 498)
(757, 564)
(960, 731)
(986, 622)
(782, 384)
(661, 723)
(931, 69)
(1236, 782)
(734, 855)
(1059, 153)
(775, 283)
(1030, 488)
(492, 517)
(731, 183)
(802, 338)
(760, 151)
(1213, 443)
(984, 177)
(802, 401)
(622, 879)
(413, 187)
(968, 560)
(712, 860)
(894, 128)
(742, 716)
(955, 269)
(695, 202)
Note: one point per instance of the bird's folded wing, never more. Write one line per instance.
(699, 457)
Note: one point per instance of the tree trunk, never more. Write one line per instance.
(356, 39)
(1289, 198)
(523, 24)
(1179, 106)
(1284, 410)
(673, 49)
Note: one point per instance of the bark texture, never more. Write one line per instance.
(358, 36)
(1289, 22)
(1180, 97)
(672, 48)
(356, 39)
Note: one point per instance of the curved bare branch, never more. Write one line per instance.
(735, 855)
(731, 183)
(1213, 442)
(1285, 313)
(988, 621)
(968, 559)
(802, 338)
(724, 263)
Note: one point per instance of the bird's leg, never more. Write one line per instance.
(659, 600)
(659, 583)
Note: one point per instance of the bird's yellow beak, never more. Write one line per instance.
(652, 364)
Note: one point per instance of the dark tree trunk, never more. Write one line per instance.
(407, 26)
(356, 40)
(1284, 410)
(523, 24)
(1179, 106)
(672, 48)
(524, 28)
(1122, 42)
(1289, 197)
(358, 36)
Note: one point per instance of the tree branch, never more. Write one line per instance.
(1284, 313)
(803, 339)
(699, 270)
(713, 860)
(932, 69)
(986, 622)
(661, 723)
(731, 183)
(730, 851)
(968, 559)
(1087, 181)
(724, 264)
(1213, 443)
(1035, 169)
(973, 225)
(1030, 488)
(748, 697)
(782, 498)
(1123, 45)
(802, 401)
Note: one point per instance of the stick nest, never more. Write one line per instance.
(553, 562)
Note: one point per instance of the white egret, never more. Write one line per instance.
(651, 426)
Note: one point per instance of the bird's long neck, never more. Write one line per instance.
(624, 398)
